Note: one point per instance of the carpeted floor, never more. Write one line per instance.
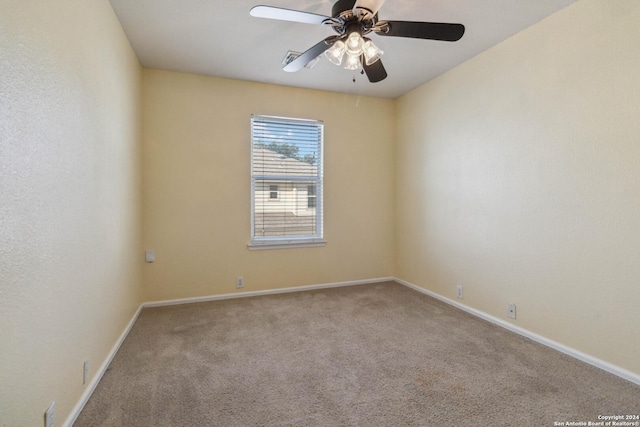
(369, 355)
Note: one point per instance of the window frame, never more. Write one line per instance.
(274, 192)
(289, 241)
(311, 197)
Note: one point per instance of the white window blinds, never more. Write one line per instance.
(286, 180)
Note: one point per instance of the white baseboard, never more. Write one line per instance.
(75, 412)
(606, 366)
(265, 292)
(100, 372)
(598, 363)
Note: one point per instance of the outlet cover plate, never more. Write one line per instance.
(85, 372)
(50, 415)
(511, 311)
(150, 255)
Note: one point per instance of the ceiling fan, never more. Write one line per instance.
(353, 20)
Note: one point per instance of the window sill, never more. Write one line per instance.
(286, 245)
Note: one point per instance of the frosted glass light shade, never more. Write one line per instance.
(352, 62)
(371, 52)
(336, 52)
(355, 44)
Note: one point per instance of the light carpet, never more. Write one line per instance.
(369, 355)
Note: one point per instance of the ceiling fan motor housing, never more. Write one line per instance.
(342, 6)
(344, 12)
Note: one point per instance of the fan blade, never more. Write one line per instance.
(375, 72)
(306, 57)
(369, 8)
(421, 30)
(281, 14)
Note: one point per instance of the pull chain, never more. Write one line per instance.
(354, 74)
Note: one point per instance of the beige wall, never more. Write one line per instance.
(197, 186)
(518, 176)
(515, 175)
(70, 234)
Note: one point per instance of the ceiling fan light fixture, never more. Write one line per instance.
(372, 53)
(336, 52)
(355, 44)
(352, 62)
(351, 20)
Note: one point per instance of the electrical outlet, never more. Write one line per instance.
(511, 311)
(50, 415)
(239, 282)
(85, 372)
(459, 291)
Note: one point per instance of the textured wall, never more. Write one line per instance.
(70, 233)
(197, 186)
(518, 177)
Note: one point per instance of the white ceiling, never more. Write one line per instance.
(219, 38)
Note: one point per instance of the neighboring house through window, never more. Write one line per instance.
(286, 181)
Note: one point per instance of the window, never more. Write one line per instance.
(311, 196)
(286, 182)
(273, 191)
